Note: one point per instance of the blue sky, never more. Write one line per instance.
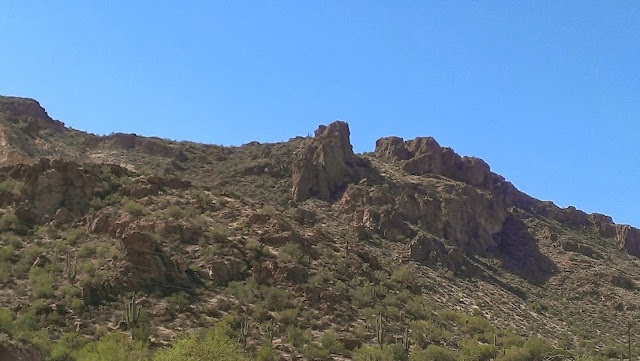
(547, 92)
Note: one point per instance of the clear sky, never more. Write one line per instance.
(547, 92)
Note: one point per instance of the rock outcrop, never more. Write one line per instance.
(326, 164)
(50, 185)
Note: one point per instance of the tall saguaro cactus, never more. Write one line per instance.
(380, 330)
(132, 312)
(70, 267)
(244, 332)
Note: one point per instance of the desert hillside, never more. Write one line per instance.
(299, 250)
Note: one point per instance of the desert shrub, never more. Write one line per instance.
(288, 316)
(295, 336)
(208, 345)
(515, 354)
(8, 221)
(368, 353)
(329, 342)
(276, 298)
(12, 240)
(12, 186)
(478, 352)
(265, 353)
(74, 235)
(426, 333)
(451, 316)
(60, 351)
(268, 209)
(433, 353)
(6, 321)
(86, 251)
(6, 252)
(133, 208)
(478, 325)
(218, 234)
(291, 252)
(113, 347)
(25, 323)
(42, 282)
(179, 302)
(174, 211)
(537, 348)
(5, 271)
(243, 291)
(401, 277)
(313, 351)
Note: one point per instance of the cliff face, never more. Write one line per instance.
(339, 234)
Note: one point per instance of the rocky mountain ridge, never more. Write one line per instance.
(308, 217)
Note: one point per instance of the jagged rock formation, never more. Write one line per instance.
(307, 223)
(326, 164)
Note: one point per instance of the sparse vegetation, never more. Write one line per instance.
(283, 278)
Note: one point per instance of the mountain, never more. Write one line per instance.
(302, 244)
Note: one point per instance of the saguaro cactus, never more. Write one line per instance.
(244, 332)
(132, 312)
(380, 330)
(70, 267)
(406, 342)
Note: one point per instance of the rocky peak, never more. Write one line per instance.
(423, 155)
(325, 164)
(29, 112)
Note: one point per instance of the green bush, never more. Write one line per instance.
(368, 353)
(174, 211)
(537, 348)
(265, 353)
(478, 352)
(113, 347)
(515, 354)
(133, 208)
(433, 353)
(208, 345)
(276, 298)
(291, 252)
(295, 336)
(179, 302)
(426, 333)
(314, 352)
(12, 186)
(6, 321)
(329, 342)
(8, 221)
(288, 316)
(218, 234)
(42, 282)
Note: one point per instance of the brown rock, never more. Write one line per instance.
(326, 164)
(10, 352)
(392, 149)
(222, 271)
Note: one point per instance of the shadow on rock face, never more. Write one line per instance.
(518, 250)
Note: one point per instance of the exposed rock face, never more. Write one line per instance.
(424, 155)
(430, 250)
(520, 253)
(29, 111)
(9, 352)
(148, 265)
(628, 238)
(326, 164)
(459, 214)
(52, 184)
(151, 146)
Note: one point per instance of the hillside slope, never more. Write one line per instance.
(303, 234)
